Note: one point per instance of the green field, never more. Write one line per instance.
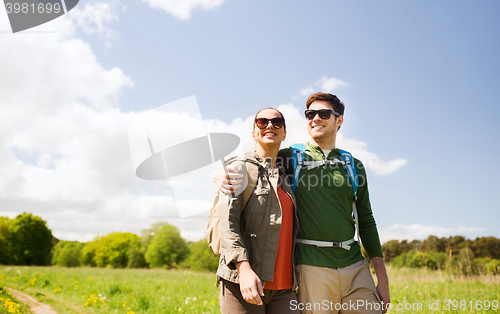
(8, 304)
(97, 290)
(414, 287)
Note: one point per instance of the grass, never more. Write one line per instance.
(97, 290)
(9, 304)
(432, 289)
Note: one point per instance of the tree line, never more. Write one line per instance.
(455, 254)
(26, 240)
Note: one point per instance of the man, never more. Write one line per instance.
(333, 279)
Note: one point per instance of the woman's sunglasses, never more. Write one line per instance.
(324, 114)
(262, 123)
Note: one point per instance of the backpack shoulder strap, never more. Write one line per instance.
(252, 175)
(351, 171)
(297, 162)
(353, 176)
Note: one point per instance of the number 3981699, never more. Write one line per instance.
(471, 305)
(32, 8)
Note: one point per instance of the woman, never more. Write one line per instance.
(255, 268)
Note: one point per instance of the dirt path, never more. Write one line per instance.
(35, 306)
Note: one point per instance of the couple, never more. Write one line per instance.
(269, 264)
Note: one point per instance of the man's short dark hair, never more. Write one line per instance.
(333, 100)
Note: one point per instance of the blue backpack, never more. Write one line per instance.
(348, 162)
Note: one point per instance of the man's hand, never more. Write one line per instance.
(382, 281)
(230, 181)
(383, 293)
(250, 284)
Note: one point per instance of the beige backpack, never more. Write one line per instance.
(213, 219)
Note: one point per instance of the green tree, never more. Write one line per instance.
(394, 248)
(138, 250)
(201, 257)
(31, 240)
(438, 260)
(136, 257)
(455, 244)
(434, 244)
(5, 238)
(148, 234)
(493, 267)
(465, 257)
(113, 249)
(421, 260)
(167, 248)
(413, 245)
(67, 254)
(88, 252)
(480, 265)
(391, 249)
(486, 247)
(404, 259)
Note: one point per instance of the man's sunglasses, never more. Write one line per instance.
(324, 114)
(262, 123)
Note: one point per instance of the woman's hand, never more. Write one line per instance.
(250, 284)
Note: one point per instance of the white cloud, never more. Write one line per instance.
(64, 146)
(61, 137)
(181, 9)
(421, 232)
(95, 17)
(306, 91)
(329, 85)
(469, 229)
(297, 133)
(371, 160)
(378, 164)
(324, 84)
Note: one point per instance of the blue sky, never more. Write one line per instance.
(418, 79)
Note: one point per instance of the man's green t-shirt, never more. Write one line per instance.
(324, 209)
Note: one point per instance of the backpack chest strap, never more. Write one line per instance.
(346, 245)
(318, 163)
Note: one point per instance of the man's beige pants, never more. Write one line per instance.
(345, 290)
